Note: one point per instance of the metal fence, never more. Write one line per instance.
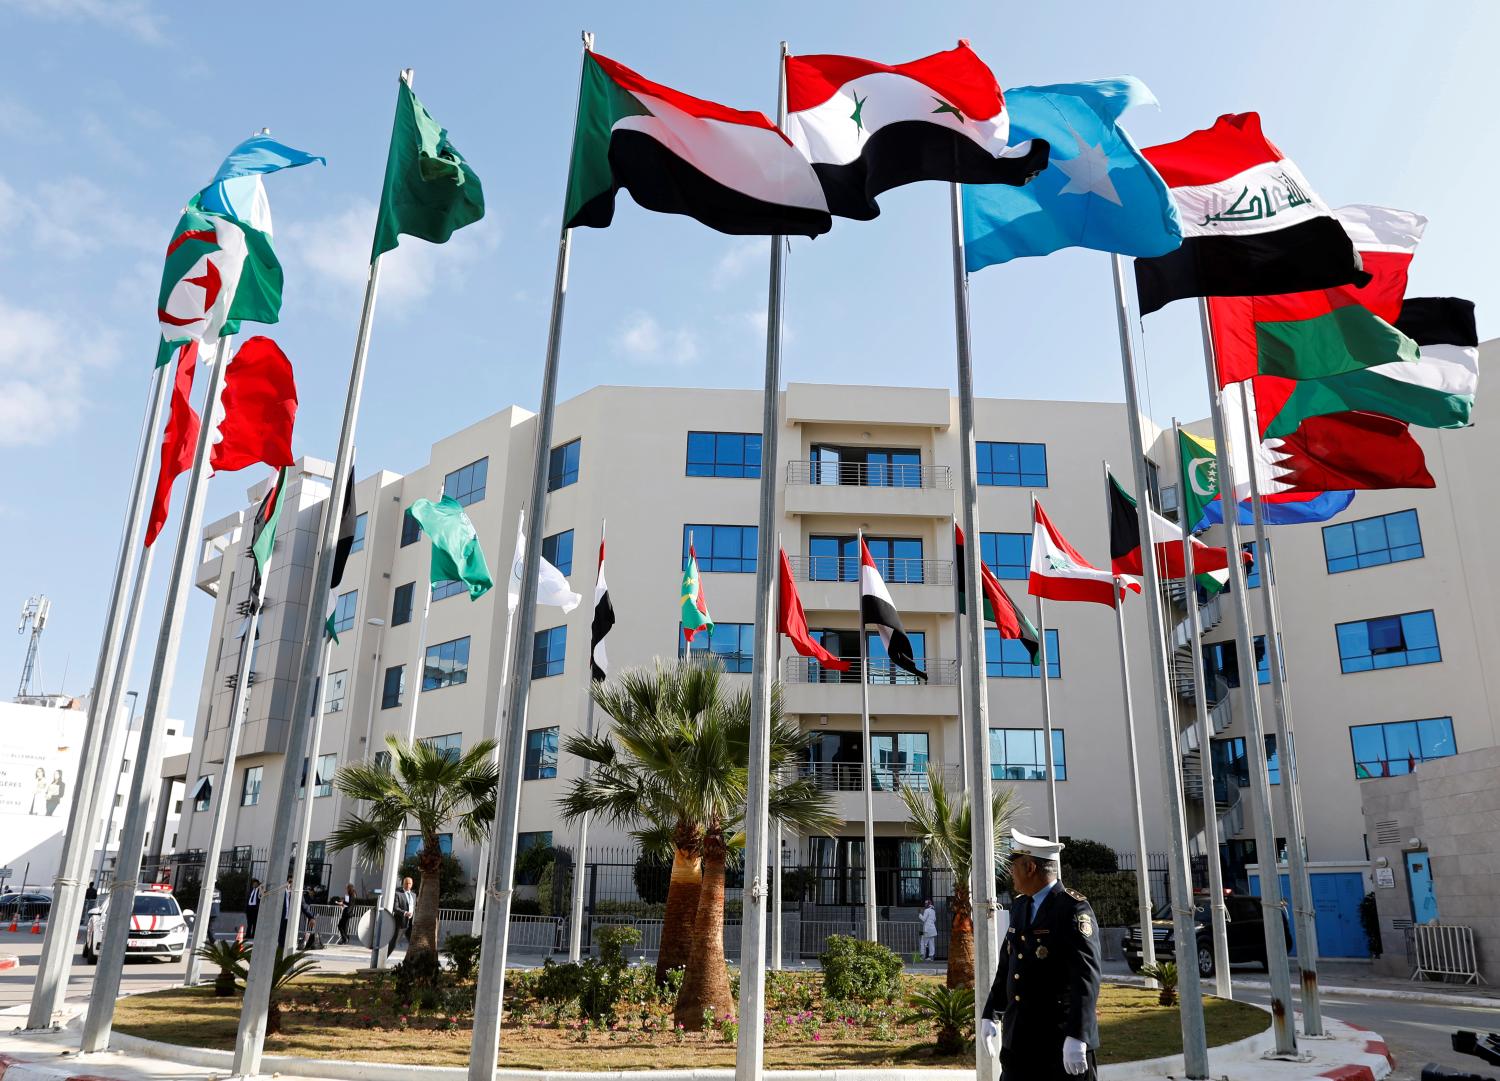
(870, 474)
(940, 671)
(895, 570)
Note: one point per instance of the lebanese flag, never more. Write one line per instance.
(179, 441)
(875, 607)
(731, 169)
(792, 622)
(1059, 573)
(1125, 541)
(868, 127)
(1251, 223)
(603, 623)
(260, 406)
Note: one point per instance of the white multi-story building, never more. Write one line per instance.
(1389, 613)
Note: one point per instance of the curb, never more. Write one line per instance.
(1375, 1063)
(1431, 998)
(19, 1069)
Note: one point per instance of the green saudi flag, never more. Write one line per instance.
(1200, 485)
(456, 554)
(430, 191)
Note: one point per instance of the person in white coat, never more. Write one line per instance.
(929, 932)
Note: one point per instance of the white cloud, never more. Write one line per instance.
(740, 257)
(44, 364)
(71, 217)
(134, 17)
(646, 340)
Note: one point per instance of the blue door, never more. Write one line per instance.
(1336, 898)
(1419, 881)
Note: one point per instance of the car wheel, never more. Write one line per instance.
(89, 956)
(1205, 961)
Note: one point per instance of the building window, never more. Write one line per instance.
(731, 644)
(1231, 764)
(250, 790)
(467, 484)
(203, 794)
(1252, 573)
(1008, 658)
(413, 846)
(343, 610)
(900, 760)
(451, 745)
(836, 558)
(541, 754)
(1007, 554)
(446, 664)
(1221, 663)
(723, 454)
(1397, 747)
(337, 682)
(1170, 504)
(383, 761)
(558, 550)
(1012, 465)
(525, 842)
(1020, 754)
(729, 548)
(328, 766)
(1388, 642)
(562, 465)
(411, 530)
(401, 604)
(359, 533)
(395, 683)
(1372, 542)
(548, 649)
(441, 591)
(866, 467)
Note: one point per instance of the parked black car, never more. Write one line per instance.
(24, 906)
(1244, 927)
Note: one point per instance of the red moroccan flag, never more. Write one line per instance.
(179, 441)
(793, 622)
(260, 404)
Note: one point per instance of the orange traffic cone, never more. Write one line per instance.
(239, 936)
(36, 925)
(13, 925)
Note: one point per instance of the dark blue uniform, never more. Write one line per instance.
(1047, 986)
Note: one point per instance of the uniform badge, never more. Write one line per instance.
(1085, 924)
(1041, 953)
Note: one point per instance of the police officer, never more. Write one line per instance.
(1046, 991)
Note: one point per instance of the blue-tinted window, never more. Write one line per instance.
(1012, 465)
(548, 650)
(541, 754)
(723, 454)
(1388, 642)
(882, 670)
(452, 744)
(728, 548)
(1397, 747)
(1221, 663)
(446, 664)
(391, 688)
(562, 465)
(836, 558)
(871, 467)
(250, 790)
(1372, 542)
(401, 599)
(731, 644)
(1252, 573)
(411, 531)
(1008, 658)
(1020, 754)
(1007, 554)
(1231, 763)
(467, 484)
(443, 590)
(414, 845)
(524, 843)
(344, 609)
(558, 550)
(360, 520)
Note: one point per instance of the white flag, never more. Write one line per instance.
(551, 587)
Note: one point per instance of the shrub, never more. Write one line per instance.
(233, 959)
(951, 1011)
(799, 884)
(559, 983)
(651, 910)
(463, 951)
(1111, 896)
(1082, 854)
(531, 863)
(652, 875)
(1164, 973)
(858, 970)
(615, 944)
(451, 888)
(525, 906)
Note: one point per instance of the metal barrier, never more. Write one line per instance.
(870, 475)
(894, 569)
(940, 672)
(1445, 950)
(850, 776)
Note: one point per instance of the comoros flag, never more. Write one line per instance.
(217, 273)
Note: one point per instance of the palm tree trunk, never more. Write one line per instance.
(682, 904)
(961, 939)
(705, 985)
(422, 953)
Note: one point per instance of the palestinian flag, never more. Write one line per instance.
(868, 127)
(217, 272)
(1125, 541)
(999, 608)
(695, 615)
(603, 623)
(347, 521)
(792, 622)
(260, 407)
(731, 169)
(179, 442)
(875, 607)
(1059, 573)
(1251, 223)
(263, 532)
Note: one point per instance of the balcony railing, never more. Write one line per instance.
(870, 475)
(931, 572)
(940, 672)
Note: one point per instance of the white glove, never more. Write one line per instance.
(989, 1032)
(1075, 1056)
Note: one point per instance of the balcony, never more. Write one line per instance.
(893, 489)
(916, 585)
(846, 780)
(811, 688)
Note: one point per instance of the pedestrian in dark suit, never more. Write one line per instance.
(1046, 993)
(406, 907)
(346, 912)
(305, 916)
(252, 908)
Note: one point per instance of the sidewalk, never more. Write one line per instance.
(1353, 979)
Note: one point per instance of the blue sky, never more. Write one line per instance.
(113, 112)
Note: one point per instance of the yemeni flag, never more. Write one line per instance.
(869, 127)
(603, 622)
(695, 615)
(792, 622)
(430, 192)
(875, 607)
(1251, 223)
(179, 441)
(456, 554)
(260, 406)
(731, 169)
(263, 531)
(1060, 573)
(347, 522)
(217, 272)
(1125, 541)
(999, 607)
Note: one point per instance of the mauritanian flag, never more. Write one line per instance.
(868, 127)
(731, 169)
(999, 608)
(695, 615)
(1251, 223)
(1060, 573)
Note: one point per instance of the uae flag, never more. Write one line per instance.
(1251, 223)
(875, 608)
(604, 621)
(792, 622)
(999, 608)
(1060, 573)
(868, 127)
(1125, 541)
(347, 519)
(731, 169)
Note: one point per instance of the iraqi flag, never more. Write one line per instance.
(792, 622)
(869, 127)
(1251, 223)
(603, 623)
(875, 608)
(1125, 541)
(731, 169)
(1060, 573)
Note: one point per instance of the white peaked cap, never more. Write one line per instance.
(1022, 844)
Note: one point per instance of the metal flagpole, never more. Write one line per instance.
(1223, 985)
(1041, 631)
(1305, 915)
(1194, 1038)
(250, 1039)
(67, 890)
(116, 754)
(1255, 741)
(100, 1018)
(580, 857)
(958, 653)
(482, 863)
(975, 697)
(872, 929)
(777, 960)
(292, 909)
(484, 1051)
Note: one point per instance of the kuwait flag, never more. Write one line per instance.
(604, 621)
(869, 127)
(1125, 541)
(1059, 573)
(792, 622)
(875, 608)
(999, 608)
(731, 169)
(1251, 223)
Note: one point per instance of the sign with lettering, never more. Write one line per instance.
(1385, 878)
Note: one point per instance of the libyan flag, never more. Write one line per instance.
(430, 192)
(695, 615)
(999, 608)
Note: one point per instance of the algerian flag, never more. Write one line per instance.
(430, 191)
(217, 272)
(551, 587)
(1200, 487)
(695, 615)
(456, 555)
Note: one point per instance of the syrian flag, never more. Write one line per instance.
(875, 607)
(999, 608)
(604, 621)
(1125, 541)
(731, 169)
(869, 127)
(1059, 573)
(345, 543)
(1251, 223)
(792, 622)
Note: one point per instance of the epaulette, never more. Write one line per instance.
(1074, 894)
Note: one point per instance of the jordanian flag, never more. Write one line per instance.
(695, 615)
(730, 169)
(999, 608)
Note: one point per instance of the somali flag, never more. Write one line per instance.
(1096, 192)
(236, 191)
(1283, 508)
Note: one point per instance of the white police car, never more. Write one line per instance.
(159, 927)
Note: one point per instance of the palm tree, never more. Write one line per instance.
(943, 822)
(430, 791)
